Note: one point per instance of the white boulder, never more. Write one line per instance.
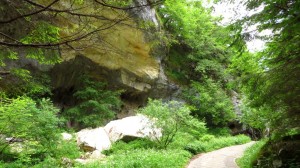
(134, 126)
(93, 139)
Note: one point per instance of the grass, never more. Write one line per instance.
(143, 153)
(211, 143)
(250, 155)
(144, 158)
(140, 153)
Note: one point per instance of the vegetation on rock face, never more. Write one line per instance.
(199, 58)
(209, 101)
(94, 104)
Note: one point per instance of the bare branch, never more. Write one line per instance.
(69, 11)
(103, 3)
(83, 18)
(29, 14)
(66, 42)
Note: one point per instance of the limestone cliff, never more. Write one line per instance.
(126, 53)
(122, 56)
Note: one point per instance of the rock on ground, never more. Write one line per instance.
(93, 139)
(135, 126)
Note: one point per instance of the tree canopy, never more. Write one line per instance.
(271, 76)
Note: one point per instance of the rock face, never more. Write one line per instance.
(122, 48)
(93, 139)
(131, 127)
(124, 57)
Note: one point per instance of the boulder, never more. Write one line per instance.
(132, 127)
(93, 139)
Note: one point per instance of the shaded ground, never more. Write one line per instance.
(222, 158)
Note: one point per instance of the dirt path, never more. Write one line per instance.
(222, 158)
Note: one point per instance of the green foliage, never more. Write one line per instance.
(142, 158)
(182, 138)
(270, 78)
(208, 143)
(210, 101)
(6, 53)
(62, 156)
(36, 124)
(281, 152)
(21, 82)
(66, 149)
(22, 74)
(95, 104)
(262, 118)
(201, 55)
(220, 131)
(43, 32)
(203, 42)
(170, 117)
(251, 154)
(175, 69)
(207, 138)
(118, 3)
(121, 146)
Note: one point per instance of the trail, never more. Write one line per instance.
(222, 158)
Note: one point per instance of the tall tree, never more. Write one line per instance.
(275, 83)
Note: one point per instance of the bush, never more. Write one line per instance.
(210, 101)
(207, 138)
(220, 132)
(67, 149)
(171, 117)
(181, 139)
(62, 156)
(215, 143)
(121, 146)
(36, 124)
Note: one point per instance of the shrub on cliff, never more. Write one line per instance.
(94, 104)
